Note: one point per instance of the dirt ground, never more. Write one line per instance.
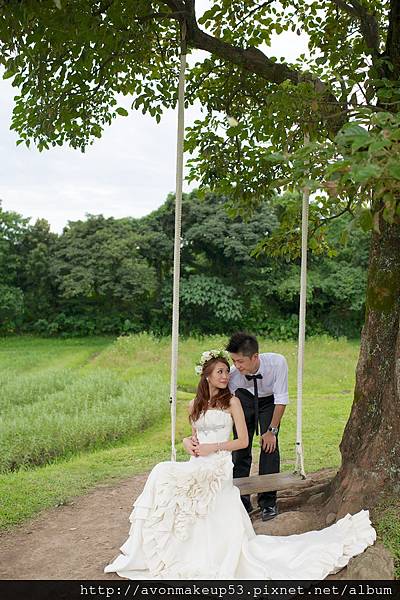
(77, 540)
(74, 541)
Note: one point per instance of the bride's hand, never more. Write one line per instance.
(204, 449)
(190, 445)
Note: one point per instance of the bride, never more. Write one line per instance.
(189, 521)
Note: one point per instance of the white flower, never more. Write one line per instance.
(208, 355)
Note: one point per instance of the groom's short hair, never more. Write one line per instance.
(243, 343)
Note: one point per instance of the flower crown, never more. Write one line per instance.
(208, 355)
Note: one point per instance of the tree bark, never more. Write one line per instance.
(370, 446)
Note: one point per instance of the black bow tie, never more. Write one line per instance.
(254, 379)
(250, 377)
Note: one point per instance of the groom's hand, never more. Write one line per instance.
(268, 441)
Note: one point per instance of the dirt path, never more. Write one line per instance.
(74, 541)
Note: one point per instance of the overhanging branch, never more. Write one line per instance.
(253, 60)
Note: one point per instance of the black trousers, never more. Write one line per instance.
(269, 461)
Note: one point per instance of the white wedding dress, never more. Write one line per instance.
(189, 523)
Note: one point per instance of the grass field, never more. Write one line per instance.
(79, 412)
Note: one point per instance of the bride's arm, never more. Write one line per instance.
(242, 440)
(190, 443)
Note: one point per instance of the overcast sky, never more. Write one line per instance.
(128, 172)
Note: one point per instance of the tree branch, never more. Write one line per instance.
(252, 60)
(347, 209)
(174, 5)
(167, 15)
(368, 23)
(254, 10)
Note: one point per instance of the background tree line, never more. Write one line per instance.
(112, 276)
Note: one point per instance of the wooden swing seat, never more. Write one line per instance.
(268, 483)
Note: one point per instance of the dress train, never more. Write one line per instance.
(189, 523)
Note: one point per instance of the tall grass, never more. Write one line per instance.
(92, 411)
(27, 354)
(329, 363)
(26, 389)
(327, 394)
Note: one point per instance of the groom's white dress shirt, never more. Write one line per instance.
(274, 371)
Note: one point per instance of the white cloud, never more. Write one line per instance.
(129, 171)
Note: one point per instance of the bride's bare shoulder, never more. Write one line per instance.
(234, 402)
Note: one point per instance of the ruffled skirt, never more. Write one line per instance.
(189, 523)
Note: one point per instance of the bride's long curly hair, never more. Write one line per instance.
(201, 401)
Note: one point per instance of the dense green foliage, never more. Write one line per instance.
(115, 275)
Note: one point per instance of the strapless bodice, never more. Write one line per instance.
(215, 425)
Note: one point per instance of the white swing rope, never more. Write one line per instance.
(177, 242)
(176, 277)
(299, 469)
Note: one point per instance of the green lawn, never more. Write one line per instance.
(79, 412)
(29, 354)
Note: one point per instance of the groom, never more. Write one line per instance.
(260, 381)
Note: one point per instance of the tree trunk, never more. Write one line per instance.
(370, 446)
